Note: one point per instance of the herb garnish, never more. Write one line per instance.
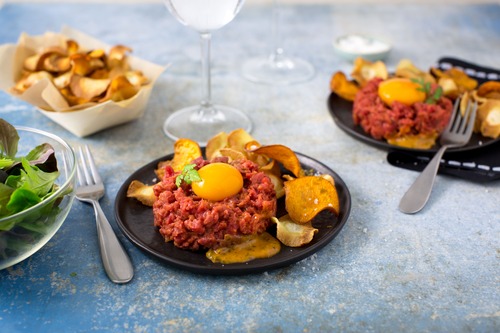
(432, 97)
(188, 175)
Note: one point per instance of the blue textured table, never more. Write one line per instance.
(385, 272)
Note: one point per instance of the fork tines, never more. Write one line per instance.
(86, 177)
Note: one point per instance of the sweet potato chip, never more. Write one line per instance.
(282, 154)
(306, 196)
(142, 192)
(340, 85)
(293, 234)
(489, 89)
(365, 70)
(185, 151)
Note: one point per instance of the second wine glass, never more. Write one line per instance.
(277, 68)
(201, 122)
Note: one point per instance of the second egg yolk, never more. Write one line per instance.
(218, 181)
(401, 90)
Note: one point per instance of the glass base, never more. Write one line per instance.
(200, 124)
(285, 71)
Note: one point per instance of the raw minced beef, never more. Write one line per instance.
(195, 223)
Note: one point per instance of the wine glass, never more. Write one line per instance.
(202, 121)
(277, 68)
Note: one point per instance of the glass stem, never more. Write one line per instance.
(206, 101)
(277, 51)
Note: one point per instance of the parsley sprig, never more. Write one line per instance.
(432, 97)
(188, 175)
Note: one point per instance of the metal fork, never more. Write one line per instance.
(90, 189)
(456, 134)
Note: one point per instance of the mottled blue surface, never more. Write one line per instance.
(437, 271)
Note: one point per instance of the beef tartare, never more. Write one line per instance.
(195, 223)
(398, 120)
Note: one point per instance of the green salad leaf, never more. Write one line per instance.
(25, 180)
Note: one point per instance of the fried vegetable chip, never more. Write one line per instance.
(488, 118)
(120, 89)
(293, 234)
(80, 76)
(185, 151)
(489, 89)
(87, 89)
(344, 88)
(365, 70)
(215, 144)
(306, 196)
(142, 192)
(462, 80)
(407, 69)
(282, 154)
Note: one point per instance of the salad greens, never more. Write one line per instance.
(24, 180)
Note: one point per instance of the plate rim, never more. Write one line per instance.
(254, 266)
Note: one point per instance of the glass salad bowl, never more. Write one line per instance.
(27, 220)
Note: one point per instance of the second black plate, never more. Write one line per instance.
(341, 111)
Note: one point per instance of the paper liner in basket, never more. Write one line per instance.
(81, 120)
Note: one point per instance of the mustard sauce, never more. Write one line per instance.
(246, 249)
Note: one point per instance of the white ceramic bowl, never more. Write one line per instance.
(24, 233)
(350, 47)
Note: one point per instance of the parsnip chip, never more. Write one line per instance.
(30, 79)
(488, 118)
(56, 63)
(306, 196)
(449, 87)
(282, 154)
(407, 69)
(233, 154)
(83, 64)
(160, 169)
(142, 192)
(117, 56)
(462, 80)
(365, 70)
(215, 144)
(238, 138)
(293, 234)
(136, 78)
(120, 89)
(185, 151)
(86, 88)
(344, 88)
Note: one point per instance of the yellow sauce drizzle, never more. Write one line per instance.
(246, 248)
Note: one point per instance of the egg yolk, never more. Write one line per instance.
(218, 181)
(402, 90)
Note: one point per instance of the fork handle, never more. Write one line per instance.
(116, 261)
(419, 192)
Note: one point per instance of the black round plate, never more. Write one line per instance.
(136, 222)
(341, 111)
